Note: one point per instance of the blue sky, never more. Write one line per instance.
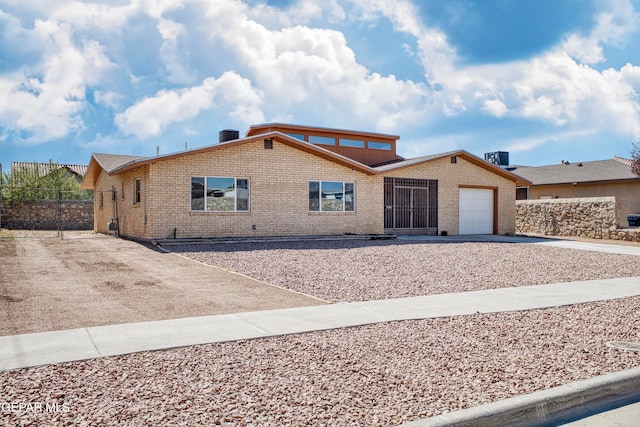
(545, 80)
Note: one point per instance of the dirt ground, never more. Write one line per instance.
(53, 284)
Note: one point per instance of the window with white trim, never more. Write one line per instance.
(331, 196)
(219, 194)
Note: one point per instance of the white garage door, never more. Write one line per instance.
(476, 211)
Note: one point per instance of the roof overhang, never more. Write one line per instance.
(89, 180)
(103, 162)
(286, 127)
(518, 180)
(276, 136)
(601, 182)
(96, 166)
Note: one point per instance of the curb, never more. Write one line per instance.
(554, 406)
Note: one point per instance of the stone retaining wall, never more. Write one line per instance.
(43, 215)
(592, 218)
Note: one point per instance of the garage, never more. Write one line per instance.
(476, 211)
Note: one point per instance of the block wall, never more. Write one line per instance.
(626, 194)
(589, 217)
(47, 215)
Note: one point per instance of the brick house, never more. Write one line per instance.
(282, 180)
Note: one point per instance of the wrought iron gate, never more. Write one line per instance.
(411, 206)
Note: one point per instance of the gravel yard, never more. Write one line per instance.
(381, 374)
(373, 375)
(361, 270)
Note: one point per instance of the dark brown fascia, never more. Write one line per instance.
(270, 127)
(278, 136)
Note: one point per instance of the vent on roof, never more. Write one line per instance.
(228, 135)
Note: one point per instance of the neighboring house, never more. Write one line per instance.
(298, 180)
(583, 179)
(43, 169)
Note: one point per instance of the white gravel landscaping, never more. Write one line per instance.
(375, 375)
(361, 270)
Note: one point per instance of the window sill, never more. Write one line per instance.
(331, 212)
(219, 212)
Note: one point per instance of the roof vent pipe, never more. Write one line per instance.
(228, 135)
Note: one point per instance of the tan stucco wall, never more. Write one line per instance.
(627, 195)
(451, 177)
(279, 185)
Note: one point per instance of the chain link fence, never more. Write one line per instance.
(43, 212)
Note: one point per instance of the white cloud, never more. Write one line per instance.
(314, 69)
(558, 87)
(150, 116)
(173, 53)
(438, 56)
(285, 68)
(615, 20)
(558, 90)
(426, 144)
(83, 15)
(298, 68)
(46, 99)
(495, 107)
(527, 143)
(109, 98)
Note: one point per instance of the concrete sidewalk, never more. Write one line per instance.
(19, 351)
(610, 247)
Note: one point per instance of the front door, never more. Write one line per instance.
(411, 206)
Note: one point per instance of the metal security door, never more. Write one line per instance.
(402, 207)
(411, 206)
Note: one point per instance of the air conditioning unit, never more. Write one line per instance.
(498, 158)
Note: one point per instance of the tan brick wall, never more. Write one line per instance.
(451, 177)
(130, 215)
(102, 215)
(278, 179)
